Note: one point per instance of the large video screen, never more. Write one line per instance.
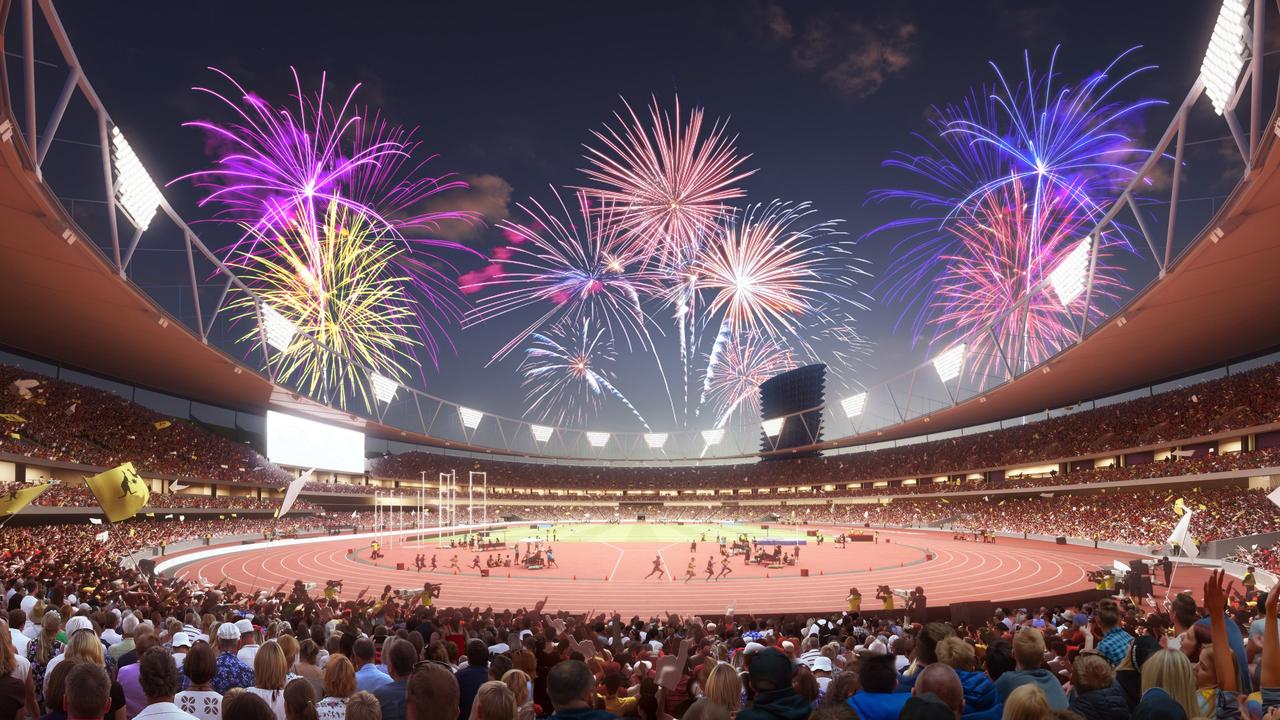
(305, 443)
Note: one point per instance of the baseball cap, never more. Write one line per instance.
(228, 631)
(752, 648)
(181, 639)
(822, 662)
(77, 623)
(244, 626)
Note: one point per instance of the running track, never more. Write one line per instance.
(609, 576)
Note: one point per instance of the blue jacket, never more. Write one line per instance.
(392, 699)
(980, 697)
(1109, 703)
(878, 706)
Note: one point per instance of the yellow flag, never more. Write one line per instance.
(120, 491)
(12, 502)
(13, 418)
(161, 424)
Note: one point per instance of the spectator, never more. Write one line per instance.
(1027, 702)
(494, 701)
(1168, 687)
(246, 706)
(308, 667)
(941, 682)
(1028, 652)
(159, 679)
(56, 694)
(1115, 641)
(705, 709)
(339, 686)
(400, 658)
(981, 701)
(368, 676)
(432, 693)
(269, 671)
(471, 677)
(200, 699)
(363, 706)
(1096, 694)
(300, 701)
(519, 683)
(232, 672)
(571, 687)
(88, 694)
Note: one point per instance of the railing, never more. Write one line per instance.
(199, 301)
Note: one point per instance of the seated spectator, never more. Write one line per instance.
(432, 693)
(1027, 702)
(232, 672)
(159, 679)
(1096, 695)
(339, 686)
(1115, 640)
(88, 693)
(571, 687)
(1028, 652)
(941, 682)
(876, 699)
(269, 672)
(1168, 688)
(980, 698)
(471, 677)
(400, 657)
(300, 701)
(246, 706)
(200, 699)
(494, 701)
(363, 706)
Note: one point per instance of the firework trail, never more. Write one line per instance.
(1010, 181)
(667, 182)
(565, 375)
(282, 174)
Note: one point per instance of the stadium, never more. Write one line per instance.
(1005, 443)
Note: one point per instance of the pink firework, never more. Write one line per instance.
(733, 380)
(666, 182)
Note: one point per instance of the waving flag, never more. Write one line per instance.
(1181, 536)
(12, 502)
(291, 494)
(121, 492)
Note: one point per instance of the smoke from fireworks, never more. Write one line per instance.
(324, 175)
(1011, 180)
(565, 373)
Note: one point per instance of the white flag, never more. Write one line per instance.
(102, 536)
(291, 494)
(175, 486)
(1275, 495)
(1181, 535)
(1183, 453)
(1120, 566)
(354, 513)
(95, 521)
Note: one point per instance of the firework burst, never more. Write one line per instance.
(667, 182)
(324, 174)
(733, 381)
(566, 374)
(570, 270)
(339, 287)
(1011, 180)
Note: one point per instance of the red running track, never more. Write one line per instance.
(610, 576)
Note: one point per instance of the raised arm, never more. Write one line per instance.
(1215, 603)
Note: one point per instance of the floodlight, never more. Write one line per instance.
(279, 329)
(949, 362)
(1069, 277)
(384, 388)
(854, 405)
(541, 433)
(1225, 57)
(135, 190)
(598, 439)
(713, 436)
(772, 426)
(655, 441)
(470, 418)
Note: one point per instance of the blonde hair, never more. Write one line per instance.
(518, 682)
(85, 646)
(1092, 672)
(1027, 702)
(1028, 648)
(1170, 671)
(724, 687)
(289, 646)
(956, 653)
(8, 656)
(364, 706)
(494, 701)
(269, 667)
(339, 677)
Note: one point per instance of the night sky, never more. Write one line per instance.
(506, 93)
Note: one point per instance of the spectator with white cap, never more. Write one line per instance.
(248, 641)
(181, 643)
(232, 671)
(822, 670)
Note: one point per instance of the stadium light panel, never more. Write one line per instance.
(384, 388)
(772, 426)
(135, 190)
(598, 439)
(949, 362)
(1224, 58)
(713, 436)
(279, 329)
(655, 441)
(470, 418)
(854, 405)
(1069, 277)
(541, 433)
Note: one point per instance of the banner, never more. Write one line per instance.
(13, 418)
(1275, 495)
(291, 494)
(121, 492)
(161, 424)
(1182, 537)
(12, 502)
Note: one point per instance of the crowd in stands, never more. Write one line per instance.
(62, 421)
(77, 496)
(1265, 556)
(83, 642)
(1244, 400)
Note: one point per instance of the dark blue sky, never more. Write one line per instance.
(818, 92)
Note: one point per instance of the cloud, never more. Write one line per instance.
(776, 21)
(854, 59)
(488, 197)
